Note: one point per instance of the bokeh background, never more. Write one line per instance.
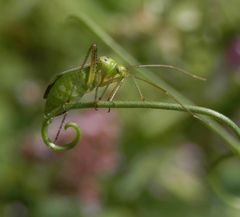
(130, 162)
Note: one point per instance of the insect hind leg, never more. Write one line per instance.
(64, 113)
(114, 92)
(60, 127)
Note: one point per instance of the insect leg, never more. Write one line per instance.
(104, 91)
(114, 91)
(96, 94)
(61, 125)
(167, 93)
(93, 65)
(138, 88)
(107, 84)
(96, 97)
(62, 121)
(93, 52)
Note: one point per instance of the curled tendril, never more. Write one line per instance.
(231, 140)
(55, 147)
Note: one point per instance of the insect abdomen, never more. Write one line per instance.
(65, 88)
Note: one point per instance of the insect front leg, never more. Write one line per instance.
(168, 94)
(96, 99)
(138, 89)
(106, 84)
(114, 92)
(104, 91)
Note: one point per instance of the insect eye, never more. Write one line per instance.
(105, 59)
(119, 69)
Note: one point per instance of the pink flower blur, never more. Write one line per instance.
(96, 155)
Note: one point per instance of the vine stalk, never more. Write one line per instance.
(233, 142)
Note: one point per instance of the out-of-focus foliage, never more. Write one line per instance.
(130, 162)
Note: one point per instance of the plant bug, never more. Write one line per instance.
(71, 85)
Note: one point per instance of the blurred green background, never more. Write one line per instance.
(130, 162)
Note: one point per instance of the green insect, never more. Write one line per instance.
(71, 85)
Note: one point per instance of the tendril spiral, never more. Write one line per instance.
(46, 122)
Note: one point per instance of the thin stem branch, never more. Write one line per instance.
(232, 141)
(109, 41)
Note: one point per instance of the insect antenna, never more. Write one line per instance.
(170, 67)
(175, 99)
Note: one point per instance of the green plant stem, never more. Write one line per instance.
(128, 58)
(234, 143)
